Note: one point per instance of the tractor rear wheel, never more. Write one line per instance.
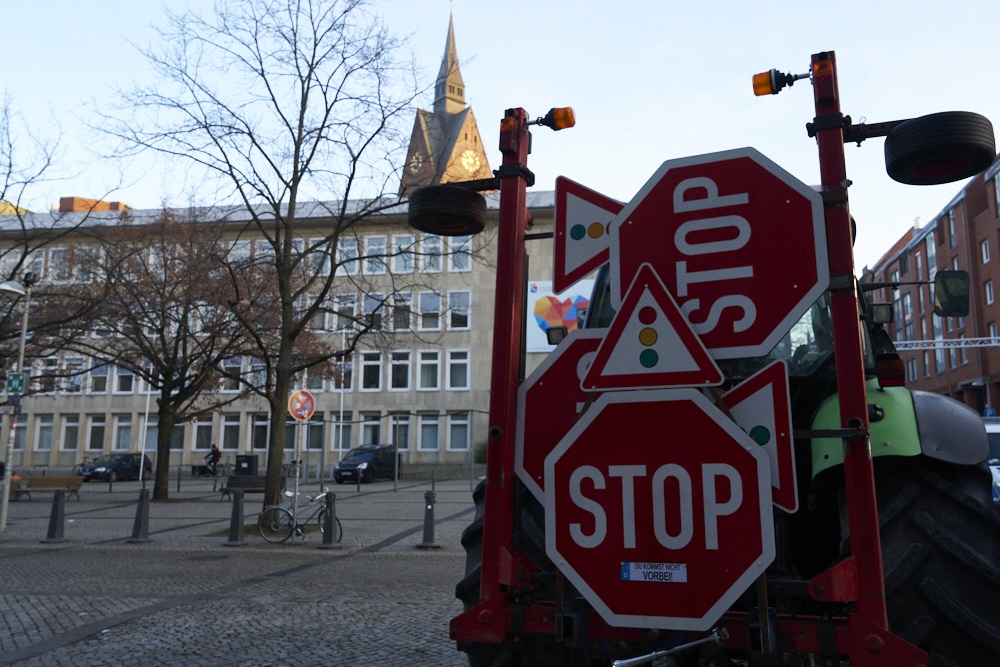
(941, 551)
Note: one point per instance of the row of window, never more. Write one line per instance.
(398, 370)
(397, 312)
(430, 431)
(400, 253)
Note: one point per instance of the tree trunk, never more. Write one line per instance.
(164, 429)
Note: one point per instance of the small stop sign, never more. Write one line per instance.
(658, 509)
(738, 241)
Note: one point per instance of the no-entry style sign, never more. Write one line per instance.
(739, 242)
(301, 405)
(658, 509)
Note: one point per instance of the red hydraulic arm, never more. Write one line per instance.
(502, 566)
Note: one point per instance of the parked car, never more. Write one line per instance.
(993, 433)
(115, 467)
(369, 462)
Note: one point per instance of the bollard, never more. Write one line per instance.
(359, 473)
(330, 523)
(57, 517)
(236, 538)
(110, 482)
(140, 529)
(179, 468)
(428, 543)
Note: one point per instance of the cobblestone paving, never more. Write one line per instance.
(185, 599)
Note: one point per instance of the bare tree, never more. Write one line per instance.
(160, 311)
(276, 103)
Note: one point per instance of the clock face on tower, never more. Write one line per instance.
(416, 160)
(471, 161)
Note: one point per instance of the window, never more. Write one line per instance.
(342, 379)
(430, 311)
(458, 369)
(231, 432)
(124, 380)
(70, 433)
(371, 431)
(911, 369)
(399, 371)
(95, 432)
(458, 310)
(344, 304)
(203, 435)
(430, 362)
(375, 255)
(373, 311)
(461, 254)
(43, 433)
(46, 382)
(992, 329)
(314, 431)
(429, 424)
(258, 432)
(342, 432)
(19, 426)
(399, 427)
(458, 431)
(347, 256)
(371, 371)
(123, 433)
(927, 364)
(73, 370)
(320, 257)
(314, 380)
(402, 311)
(988, 291)
(952, 238)
(402, 254)
(920, 265)
(318, 321)
(60, 268)
(231, 370)
(82, 263)
(984, 250)
(430, 250)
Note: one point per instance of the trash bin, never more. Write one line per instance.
(246, 464)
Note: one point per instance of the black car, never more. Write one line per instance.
(369, 462)
(115, 467)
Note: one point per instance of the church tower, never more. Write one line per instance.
(445, 145)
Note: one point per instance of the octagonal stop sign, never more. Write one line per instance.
(739, 242)
(658, 509)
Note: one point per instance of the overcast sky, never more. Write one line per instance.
(650, 81)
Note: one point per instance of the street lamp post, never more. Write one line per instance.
(15, 289)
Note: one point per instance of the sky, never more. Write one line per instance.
(649, 80)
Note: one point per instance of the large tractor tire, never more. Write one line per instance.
(941, 552)
(532, 650)
(447, 210)
(939, 148)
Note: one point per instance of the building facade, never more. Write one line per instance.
(954, 356)
(425, 391)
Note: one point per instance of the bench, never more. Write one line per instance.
(245, 483)
(71, 485)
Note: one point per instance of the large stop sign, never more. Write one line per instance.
(739, 242)
(658, 509)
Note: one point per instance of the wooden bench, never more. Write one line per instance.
(245, 483)
(71, 485)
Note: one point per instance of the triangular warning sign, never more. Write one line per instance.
(650, 344)
(761, 407)
(582, 240)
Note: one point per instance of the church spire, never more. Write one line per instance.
(449, 90)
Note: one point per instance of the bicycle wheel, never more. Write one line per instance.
(338, 530)
(275, 524)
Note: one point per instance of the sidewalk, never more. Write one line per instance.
(197, 515)
(185, 598)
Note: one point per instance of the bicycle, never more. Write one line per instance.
(277, 523)
(224, 469)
